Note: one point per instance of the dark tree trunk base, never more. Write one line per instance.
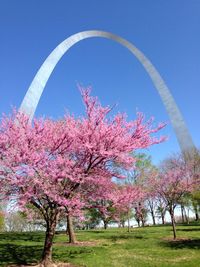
(173, 223)
(50, 232)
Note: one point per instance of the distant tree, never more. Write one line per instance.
(125, 217)
(106, 212)
(142, 165)
(141, 175)
(15, 222)
(141, 213)
(150, 194)
(92, 218)
(194, 163)
(172, 184)
(128, 197)
(196, 203)
(161, 208)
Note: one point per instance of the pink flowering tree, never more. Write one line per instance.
(173, 183)
(48, 163)
(193, 161)
(141, 175)
(150, 199)
(115, 203)
(100, 201)
(161, 208)
(126, 198)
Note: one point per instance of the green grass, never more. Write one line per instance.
(142, 247)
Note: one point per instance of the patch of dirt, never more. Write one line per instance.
(59, 264)
(77, 244)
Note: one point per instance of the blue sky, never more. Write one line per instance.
(167, 32)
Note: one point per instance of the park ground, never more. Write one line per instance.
(143, 247)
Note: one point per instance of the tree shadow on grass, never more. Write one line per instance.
(25, 236)
(103, 234)
(125, 237)
(64, 254)
(194, 223)
(18, 254)
(29, 254)
(184, 243)
(93, 231)
(189, 229)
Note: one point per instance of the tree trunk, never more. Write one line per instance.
(187, 219)
(105, 225)
(153, 217)
(173, 222)
(182, 213)
(70, 230)
(50, 231)
(128, 215)
(163, 217)
(195, 207)
(151, 205)
(196, 213)
(196, 216)
(143, 222)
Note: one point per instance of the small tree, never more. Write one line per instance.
(194, 164)
(141, 175)
(173, 183)
(161, 208)
(92, 218)
(141, 213)
(126, 198)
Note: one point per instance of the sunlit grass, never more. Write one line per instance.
(149, 246)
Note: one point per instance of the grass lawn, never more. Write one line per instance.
(142, 247)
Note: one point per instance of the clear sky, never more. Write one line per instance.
(167, 32)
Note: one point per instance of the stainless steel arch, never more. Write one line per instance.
(32, 97)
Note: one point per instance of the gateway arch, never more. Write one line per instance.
(34, 92)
